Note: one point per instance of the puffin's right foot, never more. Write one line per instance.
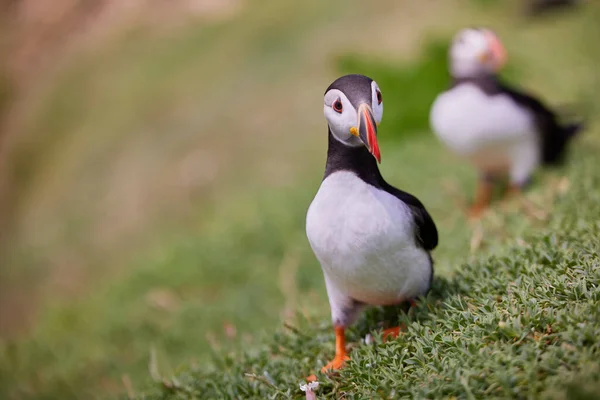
(483, 197)
(340, 351)
(336, 363)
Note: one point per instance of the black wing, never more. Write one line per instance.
(554, 136)
(427, 234)
(543, 114)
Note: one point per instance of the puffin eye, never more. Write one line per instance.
(337, 106)
(379, 97)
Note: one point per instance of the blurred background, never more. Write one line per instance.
(157, 161)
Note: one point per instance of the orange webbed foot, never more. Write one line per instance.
(341, 356)
(512, 190)
(336, 363)
(475, 212)
(392, 333)
(482, 199)
(512, 193)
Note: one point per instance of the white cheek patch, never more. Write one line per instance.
(465, 53)
(472, 46)
(341, 123)
(377, 108)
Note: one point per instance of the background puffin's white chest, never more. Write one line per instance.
(364, 239)
(469, 121)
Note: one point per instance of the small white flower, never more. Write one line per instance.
(311, 386)
(368, 339)
(309, 389)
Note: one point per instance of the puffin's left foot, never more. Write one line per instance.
(512, 192)
(392, 333)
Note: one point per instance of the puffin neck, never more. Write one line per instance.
(488, 83)
(353, 159)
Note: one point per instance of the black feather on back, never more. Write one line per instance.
(554, 136)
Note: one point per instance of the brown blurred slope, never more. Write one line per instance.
(37, 37)
(37, 40)
(40, 32)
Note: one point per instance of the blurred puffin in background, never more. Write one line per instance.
(373, 241)
(501, 130)
(539, 7)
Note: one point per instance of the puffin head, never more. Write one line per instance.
(475, 52)
(353, 107)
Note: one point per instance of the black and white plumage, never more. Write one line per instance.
(373, 241)
(500, 129)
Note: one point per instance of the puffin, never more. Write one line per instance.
(501, 130)
(373, 241)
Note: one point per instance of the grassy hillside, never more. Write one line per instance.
(144, 129)
(523, 323)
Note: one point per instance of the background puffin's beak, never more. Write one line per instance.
(367, 130)
(497, 50)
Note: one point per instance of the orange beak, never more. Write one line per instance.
(367, 130)
(497, 50)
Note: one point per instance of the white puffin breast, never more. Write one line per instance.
(364, 239)
(467, 120)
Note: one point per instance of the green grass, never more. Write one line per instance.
(243, 261)
(161, 306)
(523, 323)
